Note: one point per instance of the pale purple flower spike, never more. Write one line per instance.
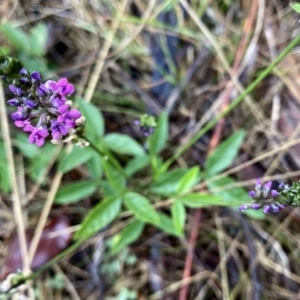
(264, 198)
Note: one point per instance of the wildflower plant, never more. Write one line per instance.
(44, 111)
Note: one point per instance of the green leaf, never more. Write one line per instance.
(233, 196)
(296, 7)
(94, 166)
(5, 184)
(255, 214)
(188, 180)
(167, 183)
(75, 191)
(16, 36)
(76, 157)
(38, 39)
(197, 200)
(99, 217)
(113, 175)
(166, 224)
(127, 236)
(136, 164)
(123, 144)
(178, 216)
(141, 208)
(94, 120)
(224, 154)
(39, 164)
(159, 138)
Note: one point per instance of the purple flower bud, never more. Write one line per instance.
(258, 183)
(20, 115)
(14, 102)
(281, 185)
(41, 91)
(266, 209)
(24, 81)
(36, 77)
(267, 186)
(136, 122)
(243, 207)
(151, 130)
(274, 193)
(275, 208)
(252, 194)
(24, 72)
(255, 206)
(73, 113)
(30, 103)
(16, 90)
(266, 189)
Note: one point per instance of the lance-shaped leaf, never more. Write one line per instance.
(99, 217)
(141, 208)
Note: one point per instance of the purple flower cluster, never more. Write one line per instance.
(45, 102)
(147, 124)
(264, 198)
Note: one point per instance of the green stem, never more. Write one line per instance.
(234, 103)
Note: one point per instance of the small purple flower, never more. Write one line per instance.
(58, 129)
(20, 115)
(31, 103)
(266, 188)
(67, 116)
(36, 77)
(14, 102)
(57, 100)
(24, 72)
(258, 183)
(64, 87)
(243, 207)
(274, 193)
(266, 209)
(16, 90)
(251, 194)
(275, 208)
(42, 91)
(256, 206)
(37, 136)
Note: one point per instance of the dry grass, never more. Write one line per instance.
(104, 47)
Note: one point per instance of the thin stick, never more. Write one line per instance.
(17, 204)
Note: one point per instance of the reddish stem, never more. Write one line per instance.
(190, 253)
